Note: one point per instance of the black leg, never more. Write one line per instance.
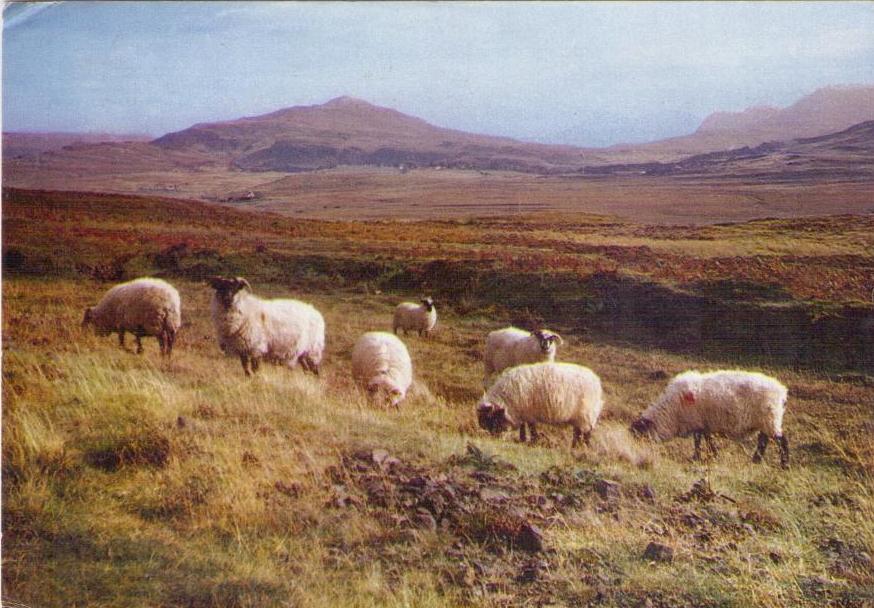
(587, 438)
(244, 361)
(121, 338)
(139, 344)
(760, 448)
(576, 440)
(522, 433)
(710, 445)
(784, 450)
(534, 434)
(255, 361)
(162, 344)
(696, 436)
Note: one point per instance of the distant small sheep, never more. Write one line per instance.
(512, 346)
(420, 318)
(549, 393)
(381, 365)
(734, 404)
(282, 331)
(143, 307)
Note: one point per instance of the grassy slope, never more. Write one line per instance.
(109, 501)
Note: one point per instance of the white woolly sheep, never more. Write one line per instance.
(143, 307)
(549, 393)
(283, 331)
(733, 404)
(420, 318)
(381, 364)
(512, 346)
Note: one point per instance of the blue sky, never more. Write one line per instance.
(582, 73)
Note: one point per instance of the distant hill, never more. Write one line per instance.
(824, 111)
(845, 155)
(349, 131)
(28, 145)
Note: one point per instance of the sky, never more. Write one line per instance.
(580, 73)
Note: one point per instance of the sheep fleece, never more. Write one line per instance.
(551, 393)
(731, 403)
(152, 305)
(279, 330)
(379, 357)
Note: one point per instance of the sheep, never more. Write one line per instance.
(731, 403)
(381, 363)
(417, 317)
(143, 307)
(513, 346)
(282, 331)
(551, 393)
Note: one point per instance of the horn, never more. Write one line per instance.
(244, 283)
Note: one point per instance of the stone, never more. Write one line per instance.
(657, 552)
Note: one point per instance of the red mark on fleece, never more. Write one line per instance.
(688, 398)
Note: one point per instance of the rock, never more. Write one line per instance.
(657, 552)
(700, 491)
(530, 571)
(378, 455)
(181, 422)
(776, 557)
(607, 489)
(492, 494)
(647, 493)
(530, 538)
(289, 489)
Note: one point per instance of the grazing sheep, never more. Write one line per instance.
(143, 307)
(381, 364)
(513, 346)
(282, 331)
(551, 393)
(416, 317)
(730, 403)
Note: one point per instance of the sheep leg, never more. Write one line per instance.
(171, 340)
(760, 449)
(121, 338)
(710, 445)
(578, 434)
(139, 344)
(784, 450)
(534, 435)
(309, 365)
(256, 362)
(162, 343)
(522, 437)
(696, 436)
(244, 360)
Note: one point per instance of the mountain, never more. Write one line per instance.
(28, 145)
(847, 155)
(824, 111)
(349, 131)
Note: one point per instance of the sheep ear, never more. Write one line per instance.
(244, 283)
(688, 397)
(485, 407)
(558, 339)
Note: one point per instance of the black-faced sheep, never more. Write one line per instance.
(549, 393)
(282, 331)
(420, 318)
(143, 307)
(512, 346)
(733, 404)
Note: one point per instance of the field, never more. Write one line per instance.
(132, 481)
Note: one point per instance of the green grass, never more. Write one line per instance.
(110, 499)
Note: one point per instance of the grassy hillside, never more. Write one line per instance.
(131, 481)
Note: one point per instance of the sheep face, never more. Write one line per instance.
(642, 427)
(428, 303)
(380, 390)
(493, 418)
(88, 319)
(226, 289)
(548, 341)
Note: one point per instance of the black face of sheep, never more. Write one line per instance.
(492, 418)
(428, 303)
(547, 339)
(226, 289)
(88, 319)
(641, 427)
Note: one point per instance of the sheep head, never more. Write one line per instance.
(548, 340)
(642, 427)
(88, 319)
(226, 289)
(492, 417)
(383, 389)
(428, 303)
